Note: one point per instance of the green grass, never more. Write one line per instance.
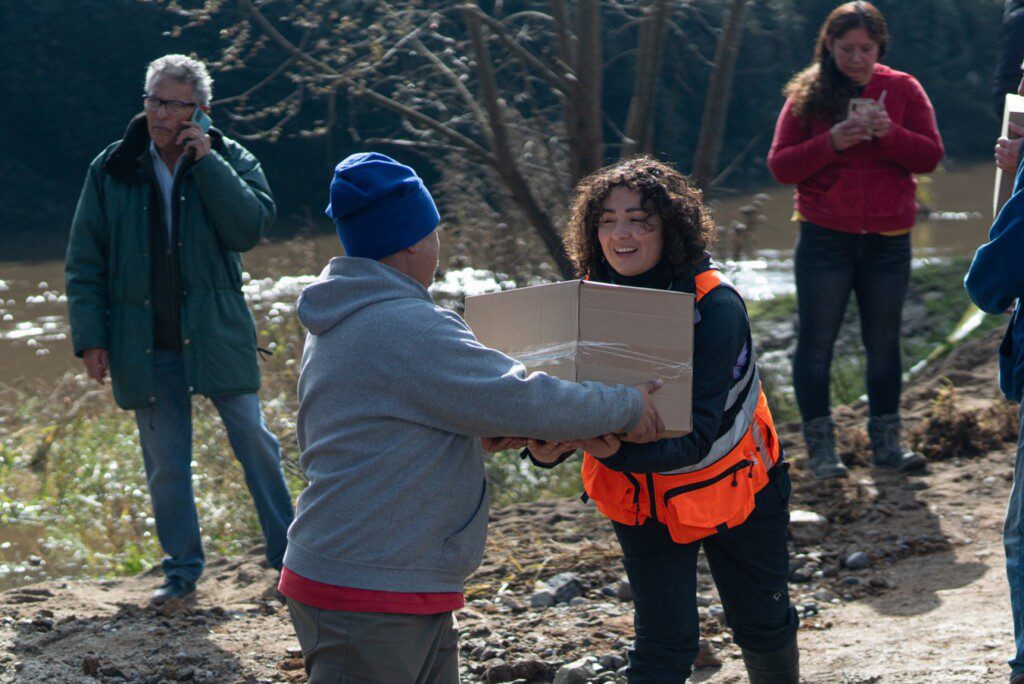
(74, 491)
(778, 308)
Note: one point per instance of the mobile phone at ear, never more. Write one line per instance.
(202, 119)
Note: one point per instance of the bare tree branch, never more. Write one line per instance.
(501, 147)
(727, 171)
(255, 88)
(360, 90)
(457, 83)
(559, 83)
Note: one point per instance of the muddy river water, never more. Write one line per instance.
(34, 342)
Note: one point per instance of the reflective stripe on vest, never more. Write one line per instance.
(746, 390)
(740, 426)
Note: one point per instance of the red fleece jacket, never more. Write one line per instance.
(869, 188)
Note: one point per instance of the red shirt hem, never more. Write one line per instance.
(350, 599)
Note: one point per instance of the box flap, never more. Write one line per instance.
(536, 325)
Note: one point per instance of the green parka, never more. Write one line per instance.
(222, 207)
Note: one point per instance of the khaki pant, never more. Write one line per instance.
(396, 648)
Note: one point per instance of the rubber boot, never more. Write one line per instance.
(781, 666)
(819, 434)
(884, 432)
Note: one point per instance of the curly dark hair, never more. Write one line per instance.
(821, 90)
(687, 227)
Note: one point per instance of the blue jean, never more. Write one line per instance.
(1013, 541)
(750, 566)
(829, 265)
(165, 433)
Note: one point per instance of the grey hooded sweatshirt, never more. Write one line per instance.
(394, 394)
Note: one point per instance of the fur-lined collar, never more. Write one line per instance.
(124, 162)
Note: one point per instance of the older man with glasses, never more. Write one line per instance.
(154, 295)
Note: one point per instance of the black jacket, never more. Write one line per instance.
(1011, 53)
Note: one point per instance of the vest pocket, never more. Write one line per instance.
(616, 495)
(714, 503)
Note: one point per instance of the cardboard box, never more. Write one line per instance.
(581, 331)
(1013, 111)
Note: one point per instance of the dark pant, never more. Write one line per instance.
(829, 265)
(339, 646)
(1013, 541)
(750, 566)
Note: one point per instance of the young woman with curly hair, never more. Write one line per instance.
(853, 164)
(724, 486)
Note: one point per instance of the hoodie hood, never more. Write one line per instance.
(348, 285)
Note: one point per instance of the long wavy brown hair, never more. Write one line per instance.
(687, 227)
(821, 90)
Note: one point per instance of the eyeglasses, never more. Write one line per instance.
(151, 103)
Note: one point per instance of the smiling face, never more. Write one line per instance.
(631, 239)
(855, 53)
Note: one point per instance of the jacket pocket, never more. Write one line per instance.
(464, 550)
(846, 196)
(891, 194)
(131, 365)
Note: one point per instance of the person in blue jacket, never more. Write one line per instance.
(995, 283)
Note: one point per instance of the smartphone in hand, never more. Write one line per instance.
(860, 106)
(202, 119)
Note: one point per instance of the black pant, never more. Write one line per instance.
(750, 566)
(829, 264)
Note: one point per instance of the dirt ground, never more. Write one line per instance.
(930, 605)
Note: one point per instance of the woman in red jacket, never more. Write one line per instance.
(851, 137)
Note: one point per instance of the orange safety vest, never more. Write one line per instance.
(710, 496)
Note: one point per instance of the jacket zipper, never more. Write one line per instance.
(732, 470)
(650, 496)
(636, 495)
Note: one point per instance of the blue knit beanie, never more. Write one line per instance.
(379, 206)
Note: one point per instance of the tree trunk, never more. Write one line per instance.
(648, 68)
(500, 144)
(716, 106)
(588, 87)
(580, 52)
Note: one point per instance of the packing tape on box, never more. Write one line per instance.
(566, 352)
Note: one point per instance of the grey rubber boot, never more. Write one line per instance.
(819, 434)
(781, 666)
(884, 432)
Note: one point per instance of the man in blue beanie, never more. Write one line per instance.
(395, 394)
(996, 282)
